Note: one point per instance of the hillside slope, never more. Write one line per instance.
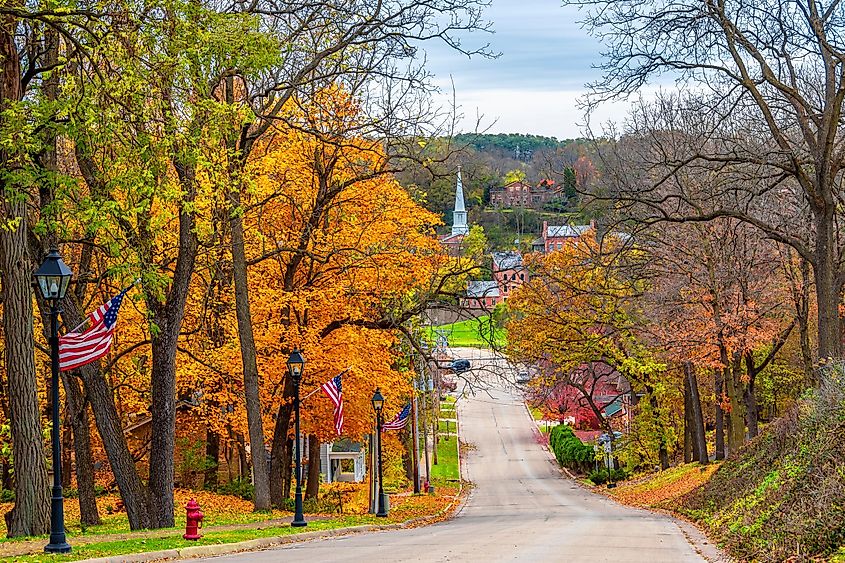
(783, 496)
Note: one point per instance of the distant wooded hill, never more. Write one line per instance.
(521, 146)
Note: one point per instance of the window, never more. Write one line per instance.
(513, 276)
(522, 277)
(506, 289)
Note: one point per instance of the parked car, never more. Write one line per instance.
(459, 366)
(523, 377)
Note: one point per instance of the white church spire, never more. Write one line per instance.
(459, 215)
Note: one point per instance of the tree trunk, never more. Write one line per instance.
(67, 444)
(32, 502)
(167, 318)
(212, 456)
(78, 418)
(720, 414)
(250, 364)
(690, 453)
(736, 418)
(749, 396)
(699, 438)
(163, 425)
(827, 289)
(280, 452)
(803, 313)
(312, 487)
(30, 516)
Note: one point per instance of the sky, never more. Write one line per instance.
(533, 87)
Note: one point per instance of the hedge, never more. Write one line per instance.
(570, 451)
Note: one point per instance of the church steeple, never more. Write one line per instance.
(459, 215)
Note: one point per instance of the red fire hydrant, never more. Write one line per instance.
(193, 520)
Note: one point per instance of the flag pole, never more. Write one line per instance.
(85, 319)
(320, 387)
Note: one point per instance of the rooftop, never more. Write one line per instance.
(486, 288)
(566, 231)
(507, 260)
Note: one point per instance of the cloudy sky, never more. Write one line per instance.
(546, 58)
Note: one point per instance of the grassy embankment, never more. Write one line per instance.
(471, 333)
(781, 498)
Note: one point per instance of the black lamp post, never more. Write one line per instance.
(296, 363)
(378, 403)
(53, 277)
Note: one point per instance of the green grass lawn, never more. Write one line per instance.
(471, 333)
(446, 427)
(536, 413)
(447, 460)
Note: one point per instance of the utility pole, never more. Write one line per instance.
(424, 381)
(416, 438)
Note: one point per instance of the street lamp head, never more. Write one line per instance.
(296, 364)
(378, 401)
(53, 276)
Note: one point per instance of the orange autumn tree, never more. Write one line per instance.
(338, 256)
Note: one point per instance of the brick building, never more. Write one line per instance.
(520, 194)
(553, 237)
(508, 274)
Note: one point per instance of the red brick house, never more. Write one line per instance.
(508, 274)
(520, 194)
(553, 237)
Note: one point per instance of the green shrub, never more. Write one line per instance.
(7, 495)
(601, 476)
(569, 450)
(239, 488)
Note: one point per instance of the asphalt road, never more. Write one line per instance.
(521, 507)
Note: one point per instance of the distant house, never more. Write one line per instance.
(508, 274)
(553, 237)
(520, 194)
(342, 460)
(482, 295)
(599, 384)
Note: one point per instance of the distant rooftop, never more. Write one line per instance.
(486, 288)
(507, 260)
(567, 231)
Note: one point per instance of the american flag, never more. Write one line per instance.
(79, 348)
(399, 421)
(334, 390)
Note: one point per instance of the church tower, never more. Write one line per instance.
(459, 215)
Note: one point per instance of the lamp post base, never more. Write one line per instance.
(58, 540)
(382, 506)
(298, 518)
(62, 547)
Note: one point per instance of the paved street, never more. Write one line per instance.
(521, 507)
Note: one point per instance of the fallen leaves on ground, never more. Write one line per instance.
(660, 489)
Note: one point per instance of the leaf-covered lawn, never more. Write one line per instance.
(221, 510)
(660, 489)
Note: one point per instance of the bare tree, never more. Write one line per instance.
(768, 86)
